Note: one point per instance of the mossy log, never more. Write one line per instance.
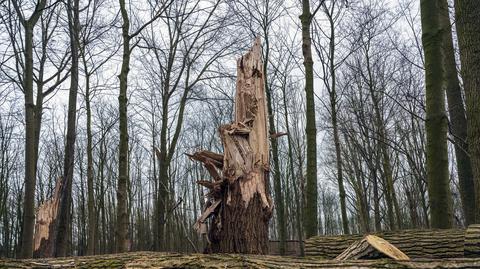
(169, 260)
(426, 244)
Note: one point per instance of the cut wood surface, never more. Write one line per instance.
(371, 247)
(145, 260)
(448, 243)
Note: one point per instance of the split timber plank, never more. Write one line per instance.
(152, 260)
(371, 247)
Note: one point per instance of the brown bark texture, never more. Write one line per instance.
(422, 244)
(467, 16)
(240, 206)
(171, 260)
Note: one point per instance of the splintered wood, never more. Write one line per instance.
(45, 222)
(371, 247)
(239, 206)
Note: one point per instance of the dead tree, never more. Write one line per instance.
(240, 206)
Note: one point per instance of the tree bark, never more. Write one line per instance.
(90, 173)
(427, 244)
(277, 181)
(467, 13)
(458, 120)
(240, 204)
(311, 196)
(30, 160)
(63, 218)
(334, 119)
(172, 260)
(30, 152)
(296, 180)
(436, 121)
(121, 230)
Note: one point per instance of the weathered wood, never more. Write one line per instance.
(371, 247)
(205, 155)
(241, 205)
(292, 247)
(170, 260)
(433, 244)
(43, 238)
(472, 241)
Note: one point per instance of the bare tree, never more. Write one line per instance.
(311, 209)
(123, 175)
(21, 28)
(436, 122)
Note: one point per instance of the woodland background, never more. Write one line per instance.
(369, 87)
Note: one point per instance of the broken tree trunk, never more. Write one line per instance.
(240, 206)
(43, 238)
(432, 244)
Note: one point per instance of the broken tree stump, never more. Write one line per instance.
(240, 206)
(43, 241)
(426, 244)
(371, 247)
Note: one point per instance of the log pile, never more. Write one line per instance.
(146, 260)
(425, 244)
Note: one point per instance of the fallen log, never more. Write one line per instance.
(145, 260)
(432, 244)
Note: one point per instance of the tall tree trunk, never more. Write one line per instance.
(121, 230)
(458, 120)
(30, 153)
(436, 122)
(295, 180)
(92, 228)
(310, 213)
(332, 91)
(30, 160)
(63, 218)
(162, 196)
(277, 181)
(467, 13)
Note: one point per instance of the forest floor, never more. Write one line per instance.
(145, 260)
